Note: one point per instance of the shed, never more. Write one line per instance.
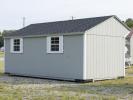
(77, 50)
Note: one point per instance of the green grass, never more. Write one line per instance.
(1, 67)
(1, 54)
(116, 88)
(129, 70)
(10, 92)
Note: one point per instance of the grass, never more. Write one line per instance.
(1, 68)
(129, 70)
(113, 89)
(99, 90)
(8, 92)
(1, 63)
(1, 54)
(118, 88)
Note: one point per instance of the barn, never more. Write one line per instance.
(77, 50)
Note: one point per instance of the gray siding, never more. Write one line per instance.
(36, 62)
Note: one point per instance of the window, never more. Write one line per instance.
(55, 44)
(16, 45)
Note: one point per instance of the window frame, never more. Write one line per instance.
(12, 45)
(60, 44)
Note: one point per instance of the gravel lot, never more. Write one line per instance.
(16, 80)
(33, 87)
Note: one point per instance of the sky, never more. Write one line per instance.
(39, 11)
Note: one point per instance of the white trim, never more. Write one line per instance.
(124, 57)
(48, 44)
(4, 55)
(21, 45)
(12, 45)
(32, 36)
(60, 44)
(129, 29)
(84, 56)
(126, 35)
(114, 17)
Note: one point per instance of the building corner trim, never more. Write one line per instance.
(84, 56)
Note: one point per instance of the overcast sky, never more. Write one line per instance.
(38, 11)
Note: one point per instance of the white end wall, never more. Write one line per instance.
(105, 46)
(105, 57)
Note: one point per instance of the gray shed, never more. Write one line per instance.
(81, 49)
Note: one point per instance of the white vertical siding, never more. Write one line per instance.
(105, 57)
(109, 27)
(105, 50)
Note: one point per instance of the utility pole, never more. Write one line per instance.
(72, 18)
(24, 21)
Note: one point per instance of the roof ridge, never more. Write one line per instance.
(67, 26)
(72, 20)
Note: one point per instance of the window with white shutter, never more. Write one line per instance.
(55, 44)
(16, 45)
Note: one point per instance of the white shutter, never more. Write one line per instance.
(48, 44)
(61, 44)
(11, 45)
(21, 45)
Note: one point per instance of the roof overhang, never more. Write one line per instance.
(30, 36)
(121, 22)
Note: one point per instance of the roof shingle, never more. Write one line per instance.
(69, 26)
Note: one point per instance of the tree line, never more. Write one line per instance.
(1, 36)
(128, 22)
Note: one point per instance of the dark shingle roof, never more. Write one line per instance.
(78, 25)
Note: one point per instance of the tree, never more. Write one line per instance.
(7, 31)
(1, 40)
(1, 36)
(129, 22)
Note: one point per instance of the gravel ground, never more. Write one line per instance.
(15, 80)
(40, 87)
(33, 87)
